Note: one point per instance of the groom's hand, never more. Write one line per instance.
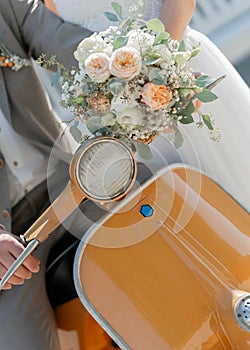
(10, 249)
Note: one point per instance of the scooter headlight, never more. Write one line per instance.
(105, 169)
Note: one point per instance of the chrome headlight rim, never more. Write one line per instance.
(84, 149)
(242, 312)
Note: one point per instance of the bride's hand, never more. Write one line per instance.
(10, 249)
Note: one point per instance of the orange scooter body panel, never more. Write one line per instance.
(169, 280)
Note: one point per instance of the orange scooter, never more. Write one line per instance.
(165, 267)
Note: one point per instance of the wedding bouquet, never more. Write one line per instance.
(133, 82)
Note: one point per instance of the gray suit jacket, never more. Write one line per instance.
(28, 29)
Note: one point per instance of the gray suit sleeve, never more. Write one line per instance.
(44, 32)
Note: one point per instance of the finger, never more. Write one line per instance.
(14, 279)
(7, 286)
(22, 272)
(31, 263)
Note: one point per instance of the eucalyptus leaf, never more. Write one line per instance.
(182, 47)
(86, 89)
(185, 91)
(56, 77)
(195, 52)
(162, 36)
(178, 139)
(203, 81)
(116, 86)
(151, 58)
(120, 42)
(215, 82)
(186, 119)
(181, 57)
(156, 25)
(76, 133)
(159, 81)
(157, 77)
(143, 150)
(206, 96)
(117, 8)
(111, 17)
(207, 121)
(154, 73)
(94, 124)
(188, 110)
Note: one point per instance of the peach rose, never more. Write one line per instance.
(98, 103)
(125, 63)
(156, 96)
(97, 67)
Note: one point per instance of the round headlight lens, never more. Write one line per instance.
(105, 169)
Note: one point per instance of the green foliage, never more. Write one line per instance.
(188, 110)
(56, 77)
(182, 47)
(178, 139)
(161, 38)
(157, 76)
(155, 25)
(207, 121)
(111, 17)
(94, 124)
(116, 86)
(151, 58)
(120, 41)
(203, 81)
(195, 52)
(185, 92)
(117, 8)
(76, 133)
(143, 150)
(186, 119)
(206, 96)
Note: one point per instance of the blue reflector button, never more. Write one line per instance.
(146, 210)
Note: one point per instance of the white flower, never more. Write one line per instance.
(119, 103)
(130, 117)
(140, 40)
(88, 46)
(97, 67)
(125, 63)
(166, 57)
(108, 50)
(79, 76)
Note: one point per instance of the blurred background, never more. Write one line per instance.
(227, 24)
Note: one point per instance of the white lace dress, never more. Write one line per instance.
(227, 161)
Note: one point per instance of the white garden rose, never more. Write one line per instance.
(88, 46)
(97, 67)
(166, 56)
(119, 103)
(125, 63)
(140, 40)
(130, 117)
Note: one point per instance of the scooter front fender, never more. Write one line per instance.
(165, 268)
